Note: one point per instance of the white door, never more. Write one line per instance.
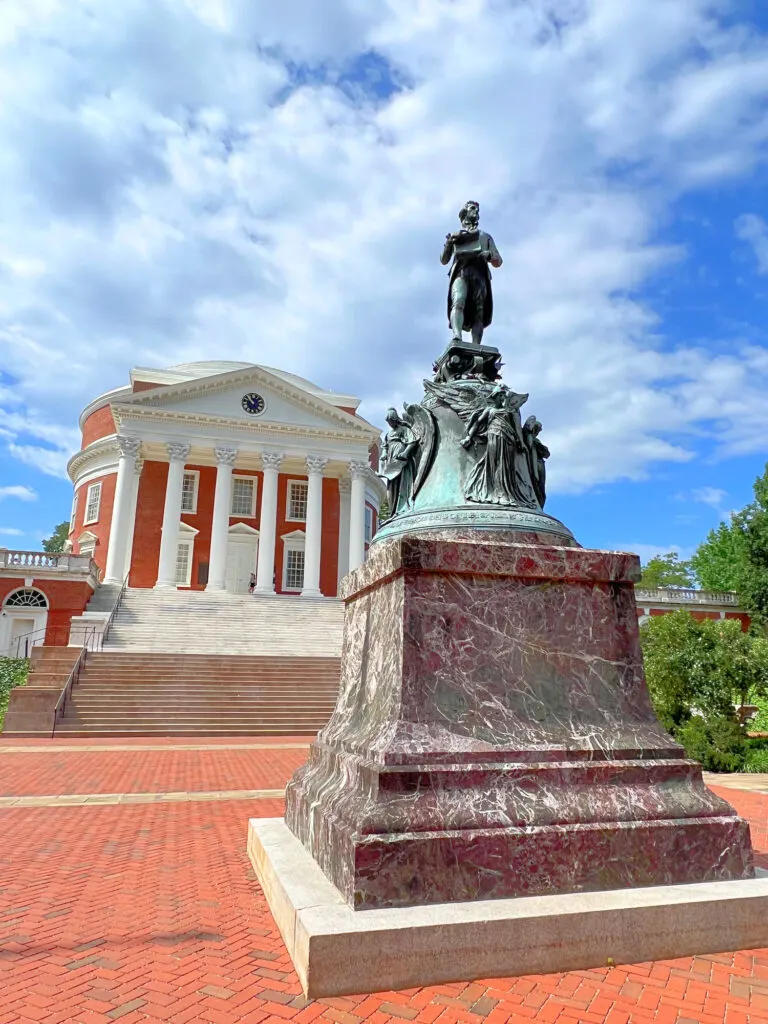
(241, 562)
(20, 627)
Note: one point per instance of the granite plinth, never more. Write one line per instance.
(339, 952)
(494, 738)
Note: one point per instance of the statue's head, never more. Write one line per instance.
(469, 215)
(533, 425)
(392, 417)
(498, 394)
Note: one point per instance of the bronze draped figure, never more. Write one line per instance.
(470, 296)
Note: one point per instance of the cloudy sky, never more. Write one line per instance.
(246, 179)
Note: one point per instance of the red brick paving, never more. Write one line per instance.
(145, 771)
(148, 914)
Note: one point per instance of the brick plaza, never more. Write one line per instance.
(125, 894)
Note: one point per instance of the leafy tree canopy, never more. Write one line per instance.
(735, 555)
(698, 672)
(720, 560)
(664, 571)
(55, 542)
(710, 665)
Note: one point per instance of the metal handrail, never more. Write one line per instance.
(27, 641)
(73, 677)
(113, 613)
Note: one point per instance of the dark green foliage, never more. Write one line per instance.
(55, 543)
(719, 561)
(666, 571)
(717, 742)
(735, 555)
(13, 672)
(698, 672)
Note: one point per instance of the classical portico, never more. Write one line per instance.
(228, 479)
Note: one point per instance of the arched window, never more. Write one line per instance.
(27, 598)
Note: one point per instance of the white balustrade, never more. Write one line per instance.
(681, 595)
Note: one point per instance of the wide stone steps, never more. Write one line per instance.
(121, 693)
(202, 622)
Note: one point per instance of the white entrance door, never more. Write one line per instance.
(241, 562)
(19, 628)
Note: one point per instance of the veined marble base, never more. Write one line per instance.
(494, 737)
(337, 951)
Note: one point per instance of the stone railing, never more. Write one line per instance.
(685, 596)
(42, 560)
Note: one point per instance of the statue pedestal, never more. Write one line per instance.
(494, 738)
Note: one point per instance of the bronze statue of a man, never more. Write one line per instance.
(470, 298)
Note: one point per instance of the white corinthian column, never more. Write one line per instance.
(169, 542)
(121, 528)
(222, 504)
(314, 527)
(265, 566)
(358, 471)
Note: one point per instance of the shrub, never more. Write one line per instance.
(717, 742)
(13, 672)
(756, 761)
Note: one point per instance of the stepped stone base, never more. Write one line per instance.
(494, 737)
(337, 951)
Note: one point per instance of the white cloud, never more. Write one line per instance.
(20, 491)
(753, 229)
(274, 182)
(10, 531)
(648, 551)
(713, 496)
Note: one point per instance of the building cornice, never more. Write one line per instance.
(102, 401)
(102, 446)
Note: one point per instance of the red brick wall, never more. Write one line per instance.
(149, 518)
(698, 614)
(149, 521)
(101, 527)
(146, 385)
(329, 561)
(99, 424)
(65, 599)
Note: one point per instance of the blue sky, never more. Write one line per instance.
(188, 179)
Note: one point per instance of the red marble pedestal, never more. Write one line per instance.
(494, 736)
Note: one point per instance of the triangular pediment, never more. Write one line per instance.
(248, 396)
(242, 530)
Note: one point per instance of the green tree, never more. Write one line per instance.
(664, 571)
(720, 560)
(698, 672)
(752, 522)
(55, 542)
(735, 555)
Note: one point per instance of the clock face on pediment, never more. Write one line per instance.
(253, 404)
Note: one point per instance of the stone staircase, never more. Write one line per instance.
(203, 622)
(145, 694)
(199, 663)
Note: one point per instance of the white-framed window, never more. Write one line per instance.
(86, 543)
(368, 524)
(293, 561)
(189, 490)
(296, 511)
(93, 503)
(243, 496)
(74, 513)
(293, 575)
(184, 563)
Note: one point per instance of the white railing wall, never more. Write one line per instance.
(684, 596)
